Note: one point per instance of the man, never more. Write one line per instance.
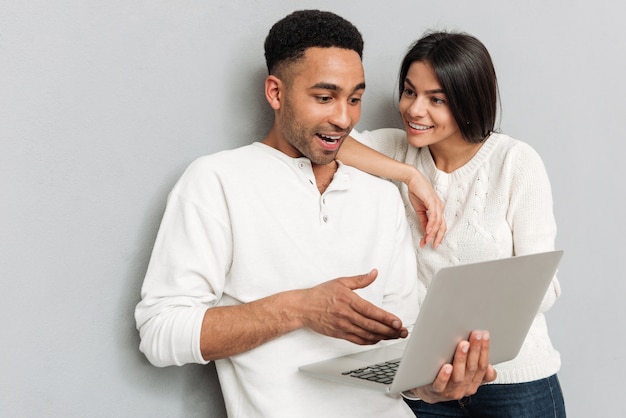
(254, 263)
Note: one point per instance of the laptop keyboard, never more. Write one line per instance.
(381, 372)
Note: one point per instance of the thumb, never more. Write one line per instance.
(360, 281)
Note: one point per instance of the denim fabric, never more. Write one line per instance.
(539, 399)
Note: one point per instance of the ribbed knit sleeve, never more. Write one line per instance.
(531, 208)
(388, 141)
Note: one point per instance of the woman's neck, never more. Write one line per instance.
(451, 157)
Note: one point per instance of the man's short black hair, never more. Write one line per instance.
(291, 36)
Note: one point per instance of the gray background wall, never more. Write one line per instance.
(103, 104)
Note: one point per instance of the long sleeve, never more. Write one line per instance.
(531, 209)
(186, 272)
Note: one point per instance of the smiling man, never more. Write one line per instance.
(275, 254)
(316, 102)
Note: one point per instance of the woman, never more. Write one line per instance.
(497, 196)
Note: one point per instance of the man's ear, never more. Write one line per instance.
(273, 91)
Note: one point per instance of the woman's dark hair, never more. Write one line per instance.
(467, 76)
(291, 36)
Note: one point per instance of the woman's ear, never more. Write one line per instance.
(273, 91)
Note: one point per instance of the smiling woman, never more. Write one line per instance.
(429, 121)
(497, 195)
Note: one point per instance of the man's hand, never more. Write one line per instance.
(428, 207)
(470, 368)
(334, 309)
(331, 308)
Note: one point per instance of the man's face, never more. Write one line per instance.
(321, 103)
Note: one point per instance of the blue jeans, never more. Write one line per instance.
(539, 399)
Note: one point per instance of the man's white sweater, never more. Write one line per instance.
(247, 223)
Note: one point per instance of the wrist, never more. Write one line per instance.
(409, 174)
(287, 310)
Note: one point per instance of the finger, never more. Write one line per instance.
(359, 281)
(374, 320)
(474, 355)
(431, 229)
(435, 216)
(443, 378)
(341, 321)
(440, 233)
(368, 339)
(490, 374)
(484, 355)
(370, 333)
(483, 362)
(435, 227)
(426, 224)
(460, 361)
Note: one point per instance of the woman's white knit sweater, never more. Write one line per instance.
(497, 205)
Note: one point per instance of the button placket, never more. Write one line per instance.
(323, 211)
(307, 171)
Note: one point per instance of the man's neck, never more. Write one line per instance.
(324, 175)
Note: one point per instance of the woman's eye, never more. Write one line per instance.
(408, 92)
(437, 100)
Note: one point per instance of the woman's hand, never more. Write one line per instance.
(428, 207)
(470, 369)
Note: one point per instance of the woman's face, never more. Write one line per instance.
(424, 108)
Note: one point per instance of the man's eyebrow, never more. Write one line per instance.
(334, 87)
(434, 91)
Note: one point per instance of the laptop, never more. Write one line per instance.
(501, 296)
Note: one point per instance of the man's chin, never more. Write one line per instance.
(324, 159)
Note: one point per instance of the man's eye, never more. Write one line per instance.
(324, 99)
(355, 100)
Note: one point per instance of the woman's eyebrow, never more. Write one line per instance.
(433, 91)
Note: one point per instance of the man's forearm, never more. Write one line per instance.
(331, 308)
(230, 330)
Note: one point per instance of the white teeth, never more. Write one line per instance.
(330, 139)
(419, 127)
